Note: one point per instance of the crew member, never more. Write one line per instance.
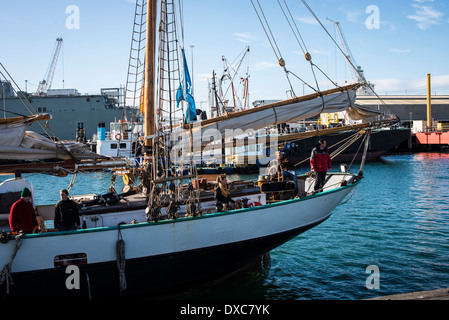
(22, 216)
(320, 162)
(281, 169)
(221, 194)
(66, 213)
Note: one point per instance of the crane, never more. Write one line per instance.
(357, 72)
(349, 58)
(45, 84)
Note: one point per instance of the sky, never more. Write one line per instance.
(397, 43)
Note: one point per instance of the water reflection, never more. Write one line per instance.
(432, 156)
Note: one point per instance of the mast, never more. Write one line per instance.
(149, 93)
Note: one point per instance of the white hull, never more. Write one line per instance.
(168, 238)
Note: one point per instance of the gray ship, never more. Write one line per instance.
(70, 110)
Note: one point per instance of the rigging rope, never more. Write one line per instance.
(307, 55)
(346, 57)
(121, 260)
(27, 104)
(297, 34)
(272, 41)
(304, 50)
(5, 274)
(72, 181)
(33, 112)
(353, 138)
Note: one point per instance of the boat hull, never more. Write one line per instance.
(165, 258)
(381, 142)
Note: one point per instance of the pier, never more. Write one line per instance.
(426, 115)
(439, 294)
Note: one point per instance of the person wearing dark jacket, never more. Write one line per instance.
(221, 194)
(22, 216)
(320, 162)
(66, 213)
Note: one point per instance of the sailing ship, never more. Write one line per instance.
(166, 235)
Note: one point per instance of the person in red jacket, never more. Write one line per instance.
(22, 216)
(320, 162)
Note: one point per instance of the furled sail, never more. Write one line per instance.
(37, 147)
(290, 110)
(12, 130)
(16, 143)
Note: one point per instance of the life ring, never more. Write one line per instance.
(118, 136)
(254, 204)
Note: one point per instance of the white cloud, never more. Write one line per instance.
(202, 77)
(390, 25)
(440, 84)
(313, 52)
(441, 81)
(353, 16)
(320, 52)
(426, 16)
(244, 37)
(264, 65)
(396, 50)
(307, 20)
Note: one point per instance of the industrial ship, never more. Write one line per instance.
(69, 109)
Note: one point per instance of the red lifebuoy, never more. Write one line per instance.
(118, 136)
(254, 204)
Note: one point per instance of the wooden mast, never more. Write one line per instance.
(149, 93)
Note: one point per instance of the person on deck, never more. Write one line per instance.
(320, 162)
(66, 213)
(22, 216)
(281, 169)
(221, 194)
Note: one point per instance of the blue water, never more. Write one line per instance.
(47, 187)
(397, 219)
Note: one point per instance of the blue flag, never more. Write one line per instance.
(185, 93)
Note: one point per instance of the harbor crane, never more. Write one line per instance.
(356, 70)
(45, 84)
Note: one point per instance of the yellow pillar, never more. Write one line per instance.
(429, 104)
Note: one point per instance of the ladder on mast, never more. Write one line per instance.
(136, 67)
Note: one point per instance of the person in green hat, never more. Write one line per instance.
(22, 216)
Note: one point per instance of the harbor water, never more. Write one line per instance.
(396, 221)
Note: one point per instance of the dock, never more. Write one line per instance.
(440, 294)
(427, 116)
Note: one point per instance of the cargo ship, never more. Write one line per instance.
(69, 109)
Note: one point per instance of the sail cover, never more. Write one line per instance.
(16, 143)
(291, 110)
(277, 113)
(12, 130)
